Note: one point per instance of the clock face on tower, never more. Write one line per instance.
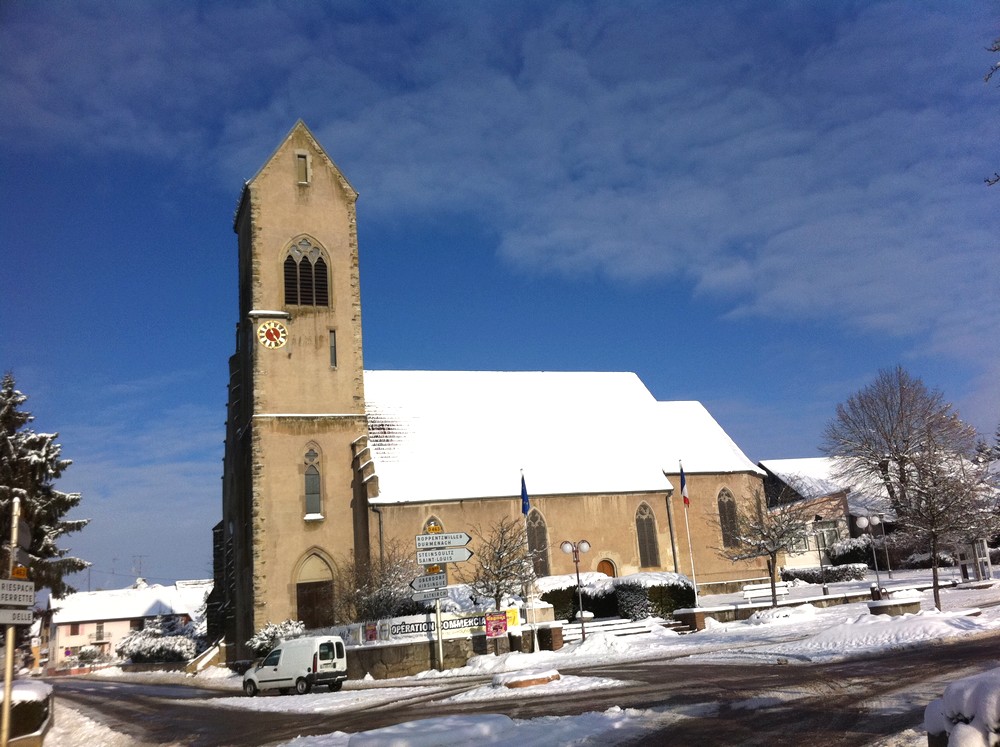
(272, 334)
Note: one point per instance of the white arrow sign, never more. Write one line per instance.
(448, 555)
(452, 539)
(430, 594)
(431, 581)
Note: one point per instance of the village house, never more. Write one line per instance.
(99, 620)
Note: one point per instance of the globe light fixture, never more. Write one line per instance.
(575, 548)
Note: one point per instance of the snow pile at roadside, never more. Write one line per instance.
(968, 712)
(23, 691)
(867, 633)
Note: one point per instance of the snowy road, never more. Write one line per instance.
(854, 702)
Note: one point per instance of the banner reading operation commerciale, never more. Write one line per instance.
(422, 628)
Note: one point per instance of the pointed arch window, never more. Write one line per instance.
(727, 519)
(433, 525)
(313, 495)
(538, 542)
(307, 278)
(645, 529)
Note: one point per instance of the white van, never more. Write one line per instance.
(300, 663)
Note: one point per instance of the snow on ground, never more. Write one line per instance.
(789, 635)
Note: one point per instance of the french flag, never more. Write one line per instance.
(684, 488)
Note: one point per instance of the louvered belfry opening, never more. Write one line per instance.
(307, 278)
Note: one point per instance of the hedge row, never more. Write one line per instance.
(631, 601)
(831, 573)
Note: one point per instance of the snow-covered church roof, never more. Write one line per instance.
(141, 600)
(453, 435)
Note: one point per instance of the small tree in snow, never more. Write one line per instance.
(761, 532)
(164, 638)
(504, 564)
(267, 637)
(30, 463)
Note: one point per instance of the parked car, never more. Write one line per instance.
(300, 663)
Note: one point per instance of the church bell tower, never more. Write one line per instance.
(293, 506)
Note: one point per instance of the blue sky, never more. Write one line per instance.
(756, 205)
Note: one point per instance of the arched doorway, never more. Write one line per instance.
(607, 567)
(314, 593)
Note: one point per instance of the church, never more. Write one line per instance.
(327, 462)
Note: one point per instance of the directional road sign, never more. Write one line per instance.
(451, 539)
(17, 593)
(16, 617)
(432, 581)
(445, 555)
(429, 595)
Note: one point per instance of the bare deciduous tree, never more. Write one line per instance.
(378, 589)
(759, 531)
(903, 437)
(503, 564)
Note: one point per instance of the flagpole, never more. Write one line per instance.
(525, 508)
(687, 527)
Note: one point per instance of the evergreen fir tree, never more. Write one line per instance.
(29, 464)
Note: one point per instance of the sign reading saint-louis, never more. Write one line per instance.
(451, 539)
(443, 555)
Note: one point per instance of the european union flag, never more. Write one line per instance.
(525, 505)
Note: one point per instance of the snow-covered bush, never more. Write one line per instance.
(639, 598)
(832, 574)
(922, 560)
(633, 602)
(968, 713)
(88, 654)
(162, 639)
(851, 550)
(267, 637)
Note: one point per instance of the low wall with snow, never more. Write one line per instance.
(405, 659)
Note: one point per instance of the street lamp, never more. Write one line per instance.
(863, 523)
(881, 520)
(820, 543)
(576, 548)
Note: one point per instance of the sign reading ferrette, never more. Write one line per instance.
(18, 593)
(444, 555)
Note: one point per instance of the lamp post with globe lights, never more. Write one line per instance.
(865, 523)
(576, 548)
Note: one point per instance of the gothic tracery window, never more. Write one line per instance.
(645, 529)
(727, 519)
(538, 542)
(307, 279)
(314, 503)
